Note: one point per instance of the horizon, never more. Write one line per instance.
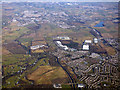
(60, 1)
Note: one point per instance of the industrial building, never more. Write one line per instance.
(87, 41)
(85, 47)
(61, 38)
(95, 40)
(59, 44)
(57, 86)
(81, 85)
(36, 47)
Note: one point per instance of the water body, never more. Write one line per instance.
(100, 24)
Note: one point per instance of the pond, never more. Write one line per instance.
(100, 24)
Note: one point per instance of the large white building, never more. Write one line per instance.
(81, 85)
(63, 38)
(58, 42)
(88, 41)
(34, 47)
(62, 46)
(85, 47)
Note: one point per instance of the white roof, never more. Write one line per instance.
(37, 46)
(95, 39)
(64, 37)
(58, 42)
(88, 41)
(80, 85)
(41, 45)
(65, 47)
(85, 47)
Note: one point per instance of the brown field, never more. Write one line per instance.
(46, 29)
(14, 26)
(48, 75)
(98, 49)
(107, 35)
(14, 48)
(38, 43)
(80, 37)
(29, 35)
(115, 35)
(65, 41)
(39, 36)
(5, 51)
(37, 51)
(109, 50)
(53, 62)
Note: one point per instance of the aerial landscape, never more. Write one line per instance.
(60, 45)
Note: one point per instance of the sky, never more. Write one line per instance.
(60, 0)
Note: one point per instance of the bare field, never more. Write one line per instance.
(107, 35)
(5, 51)
(15, 48)
(40, 42)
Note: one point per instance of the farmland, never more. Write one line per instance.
(48, 75)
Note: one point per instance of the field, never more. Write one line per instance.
(110, 50)
(12, 63)
(48, 75)
(39, 42)
(14, 34)
(5, 51)
(14, 48)
(16, 66)
(37, 51)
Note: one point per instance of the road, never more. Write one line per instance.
(73, 83)
(97, 34)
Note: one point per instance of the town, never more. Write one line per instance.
(60, 45)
